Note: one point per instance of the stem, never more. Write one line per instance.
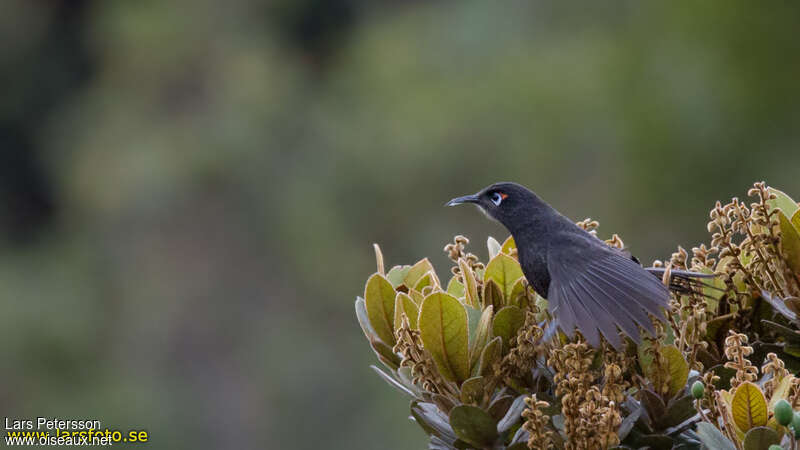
(693, 355)
(683, 335)
(727, 429)
(702, 413)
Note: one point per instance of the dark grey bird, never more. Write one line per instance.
(588, 284)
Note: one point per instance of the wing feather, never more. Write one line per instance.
(604, 318)
(638, 315)
(632, 273)
(647, 291)
(583, 317)
(566, 318)
(599, 291)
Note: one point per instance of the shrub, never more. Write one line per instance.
(470, 354)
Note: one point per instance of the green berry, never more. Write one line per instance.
(783, 412)
(796, 424)
(775, 447)
(698, 390)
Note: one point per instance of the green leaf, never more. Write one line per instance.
(379, 295)
(513, 415)
(425, 281)
(432, 420)
(796, 220)
(418, 271)
(781, 392)
(541, 303)
(517, 297)
(489, 355)
(653, 404)
(493, 246)
(391, 381)
(676, 365)
(481, 337)
(678, 369)
(444, 333)
(645, 356)
(404, 304)
(397, 274)
(470, 284)
(416, 296)
(782, 202)
(507, 322)
(791, 336)
(628, 422)
(505, 271)
(473, 425)
(508, 246)
(385, 354)
(444, 402)
(473, 317)
(499, 406)
(363, 320)
(679, 409)
(492, 296)
(748, 407)
(711, 437)
(455, 288)
(472, 390)
(760, 438)
(790, 243)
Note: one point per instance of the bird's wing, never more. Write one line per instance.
(598, 289)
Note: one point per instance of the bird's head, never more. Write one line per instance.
(505, 202)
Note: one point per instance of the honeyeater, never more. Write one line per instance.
(589, 285)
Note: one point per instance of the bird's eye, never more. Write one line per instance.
(497, 198)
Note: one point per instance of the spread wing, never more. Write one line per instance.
(598, 290)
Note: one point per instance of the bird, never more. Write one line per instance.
(589, 285)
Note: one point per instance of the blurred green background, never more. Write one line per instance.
(189, 190)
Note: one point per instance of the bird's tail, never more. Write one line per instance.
(685, 282)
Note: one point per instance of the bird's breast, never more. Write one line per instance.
(533, 260)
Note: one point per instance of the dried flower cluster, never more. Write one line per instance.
(522, 356)
(775, 371)
(659, 375)
(747, 239)
(455, 251)
(736, 350)
(537, 424)
(591, 417)
(415, 357)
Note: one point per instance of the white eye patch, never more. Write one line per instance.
(496, 198)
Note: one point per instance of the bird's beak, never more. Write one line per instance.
(465, 199)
